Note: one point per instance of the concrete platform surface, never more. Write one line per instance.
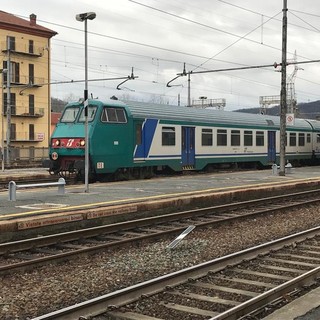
(306, 307)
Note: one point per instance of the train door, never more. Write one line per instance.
(187, 148)
(271, 146)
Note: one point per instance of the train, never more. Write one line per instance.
(130, 139)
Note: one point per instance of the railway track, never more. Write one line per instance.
(26, 254)
(244, 284)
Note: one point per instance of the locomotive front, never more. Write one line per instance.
(67, 146)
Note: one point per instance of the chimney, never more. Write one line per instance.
(33, 19)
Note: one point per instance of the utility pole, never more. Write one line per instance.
(189, 91)
(8, 101)
(283, 92)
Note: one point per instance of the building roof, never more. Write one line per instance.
(55, 117)
(11, 22)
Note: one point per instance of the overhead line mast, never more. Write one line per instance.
(283, 92)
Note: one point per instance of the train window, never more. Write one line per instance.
(221, 137)
(260, 138)
(207, 137)
(248, 140)
(138, 134)
(301, 141)
(114, 115)
(318, 138)
(69, 114)
(91, 113)
(235, 137)
(168, 136)
(292, 139)
(308, 138)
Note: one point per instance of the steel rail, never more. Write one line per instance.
(61, 238)
(121, 297)
(269, 296)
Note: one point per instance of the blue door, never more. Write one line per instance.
(188, 142)
(271, 146)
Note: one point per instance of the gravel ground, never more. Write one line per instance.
(49, 288)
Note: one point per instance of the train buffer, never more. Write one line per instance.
(13, 187)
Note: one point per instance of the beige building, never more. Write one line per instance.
(25, 98)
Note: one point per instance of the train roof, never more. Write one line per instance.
(209, 116)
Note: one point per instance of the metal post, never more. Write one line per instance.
(12, 191)
(86, 146)
(8, 101)
(2, 121)
(83, 17)
(283, 93)
(61, 185)
(189, 91)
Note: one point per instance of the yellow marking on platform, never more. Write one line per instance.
(155, 197)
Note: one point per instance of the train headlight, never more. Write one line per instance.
(82, 143)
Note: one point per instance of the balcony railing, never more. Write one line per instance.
(25, 136)
(24, 48)
(18, 111)
(27, 81)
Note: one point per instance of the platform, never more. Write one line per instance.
(38, 208)
(306, 307)
(36, 201)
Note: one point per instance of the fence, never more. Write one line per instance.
(24, 156)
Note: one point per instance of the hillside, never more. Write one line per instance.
(309, 110)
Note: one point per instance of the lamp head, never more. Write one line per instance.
(85, 16)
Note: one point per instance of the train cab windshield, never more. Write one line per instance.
(91, 114)
(70, 114)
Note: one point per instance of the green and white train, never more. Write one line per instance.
(134, 139)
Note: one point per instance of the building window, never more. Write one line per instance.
(221, 137)
(15, 72)
(12, 43)
(235, 137)
(12, 103)
(31, 131)
(301, 140)
(260, 138)
(31, 46)
(248, 140)
(31, 153)
(207, 137)
(168, 136)
(13, 131)
(31, 104)
(292, 139)
(114, 115)
(31, 73)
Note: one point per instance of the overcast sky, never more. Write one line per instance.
(156, 38)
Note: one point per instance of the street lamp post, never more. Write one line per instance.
(83, 17)
(2, 71)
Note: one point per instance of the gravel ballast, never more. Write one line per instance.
(52, 287)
